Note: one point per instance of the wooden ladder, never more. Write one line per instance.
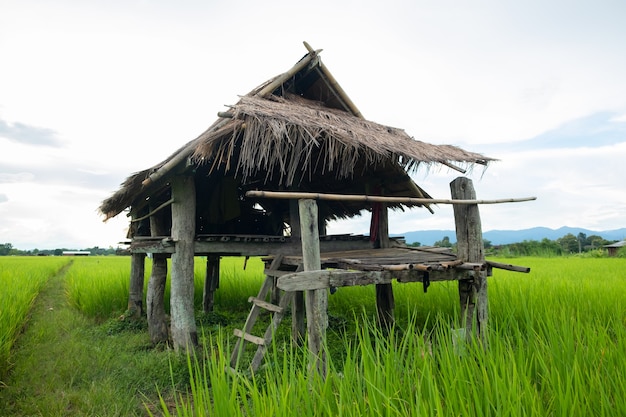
(259, 304)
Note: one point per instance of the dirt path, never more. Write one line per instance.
(66, 365)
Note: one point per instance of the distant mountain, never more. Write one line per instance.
(503, 237)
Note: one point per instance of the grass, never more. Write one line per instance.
(556, 347)
(21, 279)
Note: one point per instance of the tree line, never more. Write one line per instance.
(7, 249)
(565, 245)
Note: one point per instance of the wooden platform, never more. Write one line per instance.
(376, 266)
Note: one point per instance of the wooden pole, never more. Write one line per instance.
(298, 310)
(157, 319)
(184, 333)
(278, 81)
(211, 282)
(335, 86)
(316, 300)
(135, 293)
(385, 303)
(472, 293)
(375, 198)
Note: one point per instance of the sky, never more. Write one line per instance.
(93, 91)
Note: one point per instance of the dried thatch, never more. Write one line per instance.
(282, 136)
(293, 138)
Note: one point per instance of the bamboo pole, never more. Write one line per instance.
(335, 85)
(509, 267)
(373, 198)
(300, 65)
(153, 212)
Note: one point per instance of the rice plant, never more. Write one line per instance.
(556, 347)
(21, 279)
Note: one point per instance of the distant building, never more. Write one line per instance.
(76, 253)
(614, 247)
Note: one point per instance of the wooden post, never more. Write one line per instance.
(157, 319)
(297, 305)
(135, 293)
(316, 300)
(472, 293)
(385, 303)
(211, 282)
(184, 333)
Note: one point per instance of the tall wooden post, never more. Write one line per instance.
(211, 282)
(157, 319)
(385, 303)
(184, 333)
(297, 305)
(316, 300)
(469, 237)
(135, 293)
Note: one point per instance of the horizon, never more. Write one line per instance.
(121, 246)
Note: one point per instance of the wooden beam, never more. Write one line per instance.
(155, 303)
(184, 333)
(135, 293)
(470, 249)
(336, 87)
(211, 282)
(317, 280)
(317, 299)
(509, 267)
(300, 65)
(154, 211)
(373, 198)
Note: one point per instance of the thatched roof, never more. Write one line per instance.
(343, 141)
(297, 131)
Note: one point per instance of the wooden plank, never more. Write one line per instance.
(276, 273)
(249, 337)
(509, 267)
(269, 332)
(316, 280)
(254, 311)
(264, 304)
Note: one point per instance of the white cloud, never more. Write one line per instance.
(122, 85)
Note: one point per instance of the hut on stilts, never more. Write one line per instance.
(264, 180)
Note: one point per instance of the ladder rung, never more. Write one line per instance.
(249, 337)
(276, 272)
(264, 304)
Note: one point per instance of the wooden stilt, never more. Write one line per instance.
(316, 300)
(135, 293)
(211, 282)
(472, 293)
(385, 303)
(157, 319)
(184, 333)
(298, 312)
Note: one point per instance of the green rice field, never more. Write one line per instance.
(20, 281)
(556, 343)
